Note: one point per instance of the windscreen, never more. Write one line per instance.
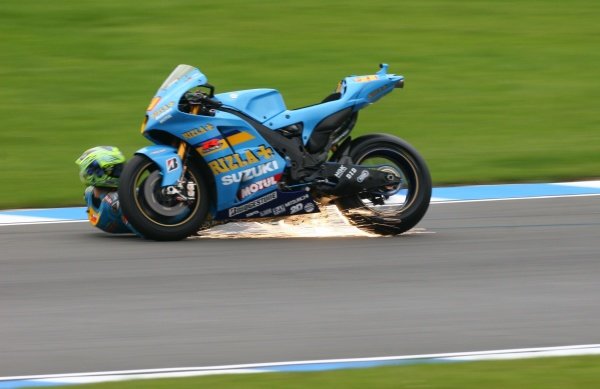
(176, 75)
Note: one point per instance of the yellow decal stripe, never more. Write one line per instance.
(153, 103)
(238, 138)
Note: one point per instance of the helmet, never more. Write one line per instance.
(101, 166)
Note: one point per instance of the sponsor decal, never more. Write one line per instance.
(297, 200)
(270, 204)
(266, 212)
(162, 111)
(249, 174)
(112, 199)
(172, 164)
(165, 118)
(252, 204)
(232, 162)
(377, 91)
(259, 185)
(309, 207)
(264, 152)
(363, 175)
(278, 210)
(351, 173)
(198, 131)
(108, 199)
(296, 208)
(239, 160)
(191, 189)
(210, 146)
(366, 78)
(340, 171)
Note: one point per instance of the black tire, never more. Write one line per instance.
(155, 215)
(377, 213)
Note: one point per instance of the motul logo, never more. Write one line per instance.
(258, 185)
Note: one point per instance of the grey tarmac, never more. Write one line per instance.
(478, 276)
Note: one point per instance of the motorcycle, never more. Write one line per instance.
(244, 155)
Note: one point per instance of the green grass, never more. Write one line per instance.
(496, 90)
(546, 373)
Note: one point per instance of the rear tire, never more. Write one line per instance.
(395, 210)
(156, 215)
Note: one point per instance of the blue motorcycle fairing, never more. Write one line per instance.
(365, 90)
(247, 172)
(355, 92)
(167, 160)
(196, 129)
(238, 156)
(310, 117)
(259, 104)
(245, 166)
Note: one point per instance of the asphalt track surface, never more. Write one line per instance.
(476, 276)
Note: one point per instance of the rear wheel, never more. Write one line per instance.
(155, 212)
(394, 209)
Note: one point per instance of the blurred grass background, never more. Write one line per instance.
(496, 90)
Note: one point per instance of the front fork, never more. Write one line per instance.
(180, 187)
(172, 161)
(184, 190)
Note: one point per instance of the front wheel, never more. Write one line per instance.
(157, 213)
(394, 209)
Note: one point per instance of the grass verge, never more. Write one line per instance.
(496, 90)
(547, 373)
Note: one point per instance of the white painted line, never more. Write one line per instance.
(142, 376)
(5, 219)
(51, 221)
(515, 198)
(334, 364)
(580, 184)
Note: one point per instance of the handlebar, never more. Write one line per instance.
(210, 101)
(203, 99)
